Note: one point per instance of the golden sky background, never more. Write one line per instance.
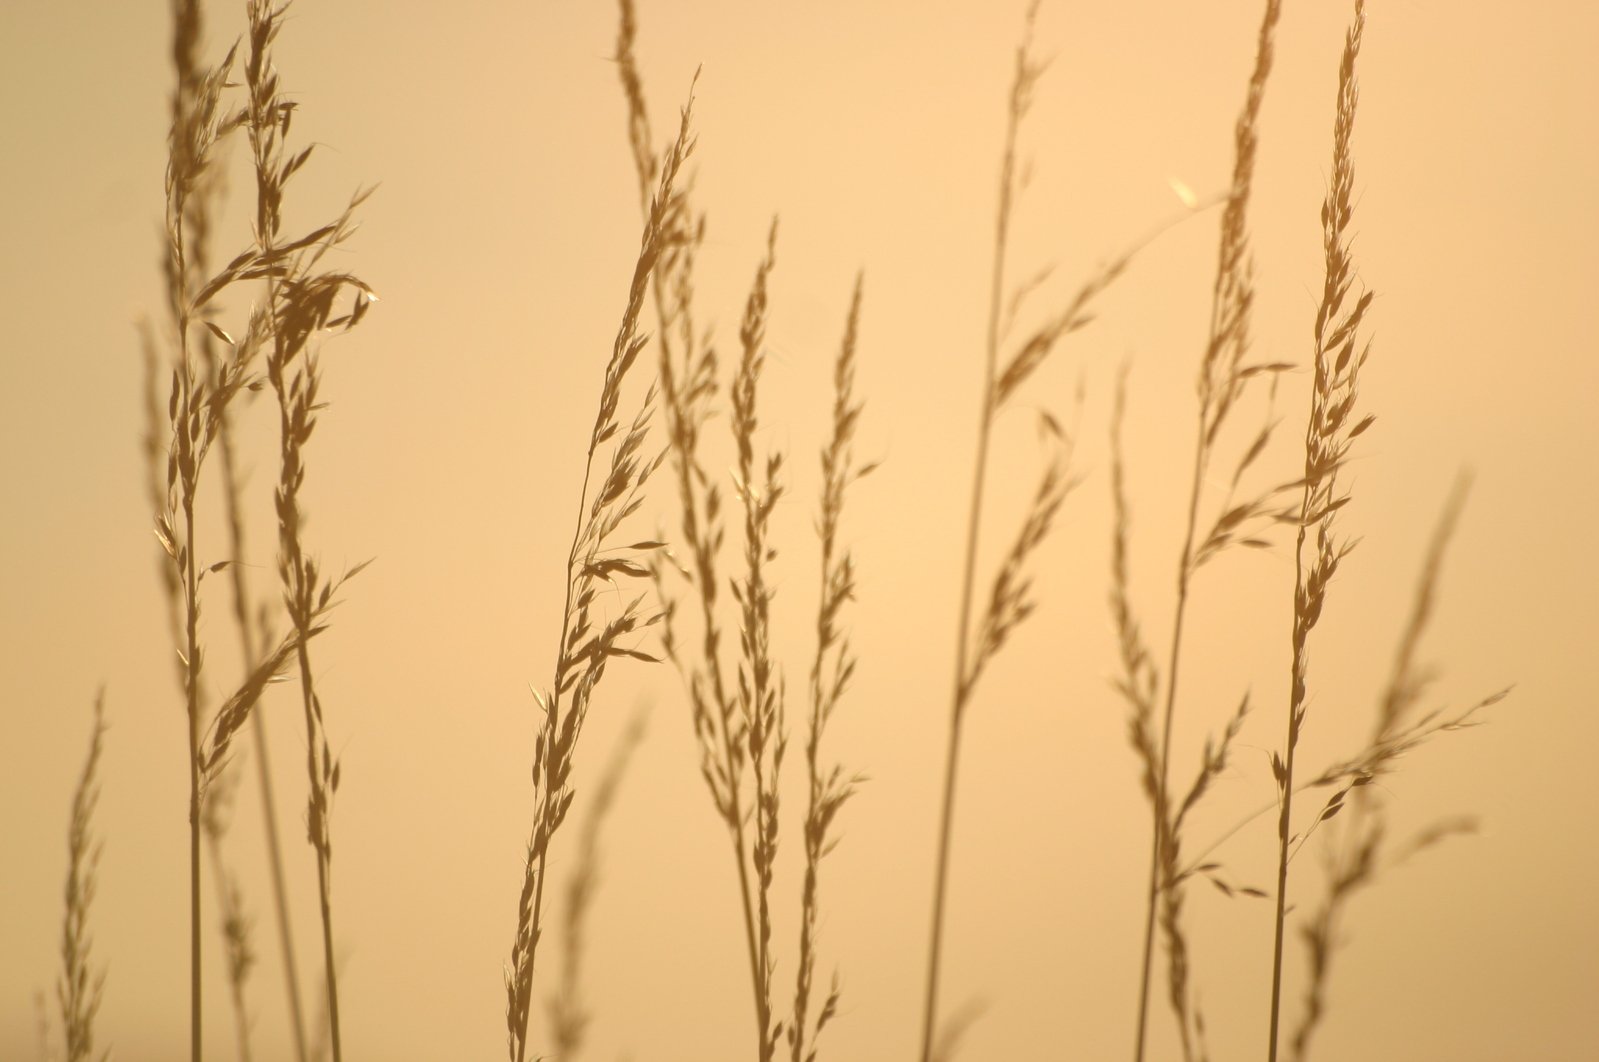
(501, 241)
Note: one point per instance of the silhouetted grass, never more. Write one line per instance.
(80, 986)
(737, 698)
(588, 643)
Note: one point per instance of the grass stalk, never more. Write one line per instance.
(234, 922)
(1222, 379)
(301, 304)
(722, 718)
(980, 637)
(1329, 433)
(584, 650)
(831, 671)
(193, 409)
(253, 645)
(1025, 74)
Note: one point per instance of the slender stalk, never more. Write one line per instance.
(324, 854)
(191, 689)
(188, 455)
(1284, 824)
(762, 1016)
(184, 167)
(251, 654)
(960, 686)
(1158, 839)
(280, 897)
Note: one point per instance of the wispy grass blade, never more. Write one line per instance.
(587, 644)
(831, 670)
(81, 987)
(1340, 353)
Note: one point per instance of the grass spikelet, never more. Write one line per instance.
(587, 643)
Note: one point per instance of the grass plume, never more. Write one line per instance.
(1010, 598)
(833, 666)
(302, 303)
(1224, 376)
(195, 409)
(587, 644)
(1363, 849)
(256, 320)
(1340, 353)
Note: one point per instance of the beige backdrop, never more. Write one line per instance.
(501, 240)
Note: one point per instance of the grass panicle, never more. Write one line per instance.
(1340, 353)
(80, 987)
(1010, 599)
(196, 407)
(1362, 849)
(738, 709)
(832, 668)
(588, 642)
(250, 620)
(303, 302)
(1224, 377)
(760, 680)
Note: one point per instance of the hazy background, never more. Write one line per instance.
(501, 242)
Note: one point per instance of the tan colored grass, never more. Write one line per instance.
(213, 369)
(828, 787)
(1359, 852)
(738, 707)
(81, 986)
(1340, 352)
(194, 412)
(980, 637)
(302, 303)
(1224, 378)
(587, 642)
